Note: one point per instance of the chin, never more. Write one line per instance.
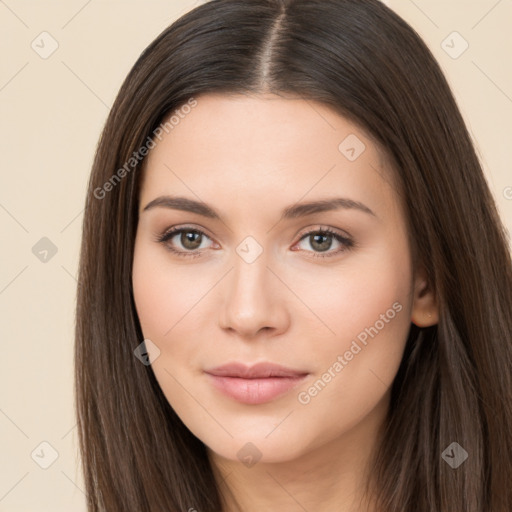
(250, 448)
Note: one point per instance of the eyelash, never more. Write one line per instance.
(170, 233)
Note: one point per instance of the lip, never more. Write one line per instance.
(256, 384)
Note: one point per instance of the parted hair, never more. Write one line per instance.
(454, 383)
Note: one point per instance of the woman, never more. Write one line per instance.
(295, 289)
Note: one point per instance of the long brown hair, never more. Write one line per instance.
(454, 383)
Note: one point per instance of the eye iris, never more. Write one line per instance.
(322, 246)
(190, 239)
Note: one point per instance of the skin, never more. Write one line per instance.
(249, 157)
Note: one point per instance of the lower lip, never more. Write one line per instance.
(255, 391)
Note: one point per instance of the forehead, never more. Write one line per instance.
(265, 147)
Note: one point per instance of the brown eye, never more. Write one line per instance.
(321, 241)
(183, 241)
(190, 239)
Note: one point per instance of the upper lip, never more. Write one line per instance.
(256, 371)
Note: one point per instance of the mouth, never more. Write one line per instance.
(257, 384)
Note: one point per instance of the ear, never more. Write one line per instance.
(424, 311)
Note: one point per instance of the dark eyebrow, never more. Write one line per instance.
(291, 212)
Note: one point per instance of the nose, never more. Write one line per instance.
(253, 300)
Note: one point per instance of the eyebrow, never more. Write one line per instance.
(291, 212)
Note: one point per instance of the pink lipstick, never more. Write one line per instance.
(254, 384)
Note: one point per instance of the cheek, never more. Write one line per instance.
(165, 298)
(370, 313)
(170, 299)
(152, 299)
(162, 294)
(354, 297)
(367, 307)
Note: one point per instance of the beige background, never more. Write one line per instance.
(52, 111)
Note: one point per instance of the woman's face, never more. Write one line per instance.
(254, 278)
